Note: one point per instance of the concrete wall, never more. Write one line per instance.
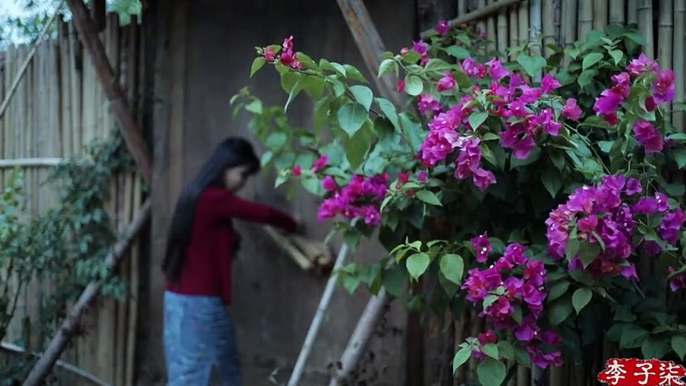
(203, 63)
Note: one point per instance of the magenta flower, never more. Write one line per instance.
(447, 82)
(622, 84)
(320, 163)
(633, 187)
(427, 103)
(519, 138)
(663, 89)
(443, 28)
(329, 184)
(422, 176)
(608, 102)
(483, 178)
(401, 86)
(419, 47)
(641, 66)
(269, 54)
(482, 247)
(496, 69)
(678, 282)
(549, 84)
(472, 69)
(297, 171)
(571, 110)
(648, 136)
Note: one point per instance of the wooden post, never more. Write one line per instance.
(370, 45)
(115, 95)
(70, 325)
(99, 12)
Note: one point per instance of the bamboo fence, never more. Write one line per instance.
(564, 22)
(59, 107)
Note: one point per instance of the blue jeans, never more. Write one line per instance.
(199, 336)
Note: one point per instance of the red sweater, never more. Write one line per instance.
(207, 269)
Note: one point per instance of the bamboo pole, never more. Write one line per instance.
(129, 127)
(535, 30)
(369, 44)
(481, 23)
(477, 14)
(632, 11)
(460, 336)
(599, 14)
(502, 30)
(617, 11)
(360, 337)
(461, 7)
(645, 25)
(27, 61)
(318, 319)
(679, 118)
(514, 29)
(70, 325)
(523, 22)
(490, 30)
(548, 27)
(585, 18)
(665, 46)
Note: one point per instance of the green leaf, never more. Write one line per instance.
(552, 181)
(289, 81)
(354, 73)
(557, 290)
(655, 348)
(476, 119)
(491, 372)
(312, 184)
(357, 146)
(506, 350)
(588, 252)
(581, 298)
(417, 264)
(490, 349)
(605, 146)
(351, 283)
(679, 345)
(413, 85)
(394, 279)
(437, 66)
(559, 310)
(429, 197)
(388, 66)
(586, 77)
(458, 52)
(363, 95)
(461, 357)
(617, 55)
(590, 60)
(313, 86)
(351, 117)
(531, 64)
(452, 267)
(632, 336)
(680, 157)
(388, 109)
(276, 141)
(558, 159)
(257, 64)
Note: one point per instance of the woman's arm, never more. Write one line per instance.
(223, 204)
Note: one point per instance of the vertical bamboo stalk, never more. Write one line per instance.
(514, 29)
(481, 23)
(632, 11)
(679, 118)
(617, 11)
(585, 18)
(548, 18)
(502, 30)
(665, 46)
(523, 376)
(535, 29)
(460, 336)
(599, 14)
(645, 26)
(523, 22)
(461, 7)
(490, 30)
(75, 81)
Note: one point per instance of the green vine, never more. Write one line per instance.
(66, 246)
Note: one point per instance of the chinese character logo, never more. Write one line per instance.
(632, 372)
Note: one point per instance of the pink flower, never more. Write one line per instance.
(650, 103)
(288, 43)
(447, 82)
(419, 47)
(547, 120)
(678, 282)
(269, 54)
(496, 69)
(401, 85)
(443, 28)
(663, 89)
(422, 176)
(622, 84)
(474, 70)
(518, 137)
(427, 103)
(641, 65)
(482, 247)
(320, 163)
(608, 102)
(483, 178)
(571, 110)
(549, 84)
(648, 136)
(329, 184)
(633, 187)
(371, 215)
(297, 171)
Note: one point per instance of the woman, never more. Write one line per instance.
(198, 331)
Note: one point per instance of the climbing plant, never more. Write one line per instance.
(536, 193)
(66, 246)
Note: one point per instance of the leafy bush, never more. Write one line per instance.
(544, 204)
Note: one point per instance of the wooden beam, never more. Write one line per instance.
(475, 15)
(71, 323)
(99, 12)
(122, 112)
(370, 45)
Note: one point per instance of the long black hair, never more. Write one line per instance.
(231, 152)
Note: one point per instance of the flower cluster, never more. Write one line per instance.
(678, 282)
(521, 108)
(610, 100)
(287, 57)
(600, 215)
(513, 284)
(360, 198)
